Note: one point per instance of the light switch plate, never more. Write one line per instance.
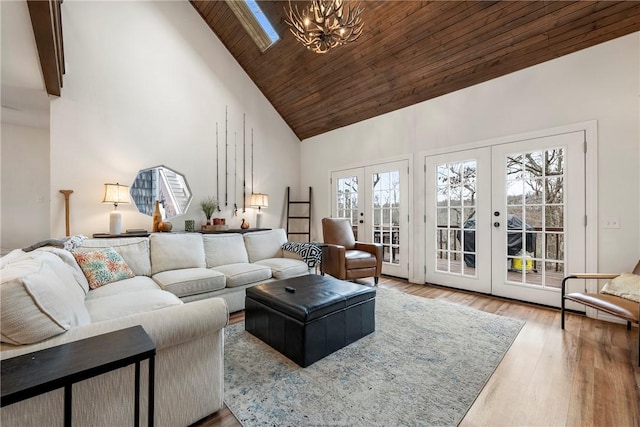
(612, 222)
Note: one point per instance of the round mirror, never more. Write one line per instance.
(163, 184)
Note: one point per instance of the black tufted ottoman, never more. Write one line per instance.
(322, 315)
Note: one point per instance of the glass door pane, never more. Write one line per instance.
(535, 217)
(347, 198)
(387, 214)
(456, 222)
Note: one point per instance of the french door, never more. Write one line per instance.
(508, 219)
(375, 199)
(457, 193)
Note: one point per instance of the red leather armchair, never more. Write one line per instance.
(343, 257)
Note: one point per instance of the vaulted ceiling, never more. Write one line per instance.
(411, 51)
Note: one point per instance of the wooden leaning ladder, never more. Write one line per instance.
(298, 216)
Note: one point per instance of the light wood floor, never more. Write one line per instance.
(586, 375)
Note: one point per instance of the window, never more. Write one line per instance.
(255, 22)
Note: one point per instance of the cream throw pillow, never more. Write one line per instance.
(626, 285)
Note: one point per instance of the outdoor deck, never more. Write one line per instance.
(551, 277)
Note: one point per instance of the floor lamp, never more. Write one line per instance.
(259, 200)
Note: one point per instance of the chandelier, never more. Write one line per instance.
(325, 24)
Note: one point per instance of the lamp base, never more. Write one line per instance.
(258, 219)
(115, 222)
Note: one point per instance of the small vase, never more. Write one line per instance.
(244, 225)
(165, 226)
(157, 217)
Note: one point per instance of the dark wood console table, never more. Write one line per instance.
(115, 236)
(32, 374)
(233, 230)
(146, 234)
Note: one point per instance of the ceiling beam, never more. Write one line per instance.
(47, 29)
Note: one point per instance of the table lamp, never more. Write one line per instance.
(115, 193)
(259, 200)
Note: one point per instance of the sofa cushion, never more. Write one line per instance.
(265, 244)
(39, 298)
(134, 251)
(283, 268)
(223, 249)
(135, 284)
(176, 251)
(190, 281)
(102, 266)
(68, 258)
(243, 273)
(120, 305)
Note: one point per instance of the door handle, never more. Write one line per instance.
(496, 224)
(361, 222)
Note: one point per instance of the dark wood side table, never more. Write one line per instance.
(32, 374)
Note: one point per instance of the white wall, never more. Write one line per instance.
(145, 84)
(600, 83)
(24, 211)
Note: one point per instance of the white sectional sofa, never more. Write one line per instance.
(196, 266)
(183, 287)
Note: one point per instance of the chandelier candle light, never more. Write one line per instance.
(259, 200)
(115, 193)
(325, 24)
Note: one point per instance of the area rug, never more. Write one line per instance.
(425, 364)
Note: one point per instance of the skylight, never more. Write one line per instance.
(255, 22)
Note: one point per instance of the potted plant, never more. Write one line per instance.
(208, 206)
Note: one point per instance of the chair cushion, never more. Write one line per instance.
(190, 281)
(283, 268)
(359, 259)
(224, 249)
(611, 304)
(176, 251)
(243, 273)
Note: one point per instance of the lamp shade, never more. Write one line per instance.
(259, 200)
(116, 193)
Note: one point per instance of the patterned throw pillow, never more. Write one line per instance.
(103, 266)
(309, 252)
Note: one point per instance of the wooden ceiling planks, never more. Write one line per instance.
(411, 51)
